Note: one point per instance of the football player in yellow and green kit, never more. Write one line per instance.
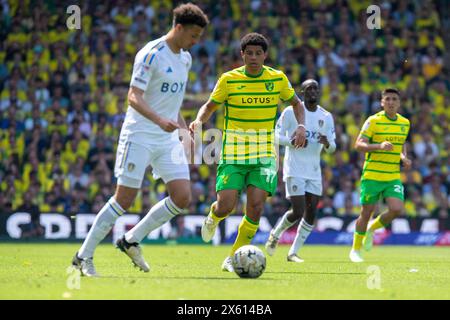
(382, 138)
(250, 95)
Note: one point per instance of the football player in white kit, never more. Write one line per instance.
(301, 169)
(148, 137)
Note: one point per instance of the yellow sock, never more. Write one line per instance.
(357, 240)
(376, 224)
(246, 232)
(213, 215)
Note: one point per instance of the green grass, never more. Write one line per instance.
(38, 271)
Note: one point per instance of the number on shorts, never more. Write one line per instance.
(398, 188)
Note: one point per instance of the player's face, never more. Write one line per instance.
(253, 56)
(391, 103)
(312, 93)
(189, 35)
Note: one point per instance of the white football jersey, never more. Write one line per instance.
(305, 162)
(163, 75)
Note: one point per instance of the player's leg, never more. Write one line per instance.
(178, 199)
(360, 232)
(176, 177)
(230, 180)
(131, 162)
(261, 181)
(393, 193)
(289, 218)
(295, 192)
(249, 223)
(220, 209)
(370, 194)
(305, 226)
(103, 223)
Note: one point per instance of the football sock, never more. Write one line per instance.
(303, 231)
(103, 223)
(246, 232)
(282, 226)
(213, 215)
(159, 214)
(357, 240)
(376, 224)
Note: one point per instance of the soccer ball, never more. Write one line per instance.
(249, 262)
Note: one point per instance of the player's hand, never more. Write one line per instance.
(324, 140)
(194, 125)
(299, 137)
(407, 163)
(387, 146)
(168, 125)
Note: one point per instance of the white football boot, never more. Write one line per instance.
(208, 229)
(227, 265)
(355, 256)
(294, 258)
(133, 250)
(86, 266)
(271, 244)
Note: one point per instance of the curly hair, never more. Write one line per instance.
(189, 14)
(254, 39)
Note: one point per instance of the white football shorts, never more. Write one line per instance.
(168, 162)
(296, 186)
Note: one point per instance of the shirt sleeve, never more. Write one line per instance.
(331, 135)
(286, 92)
(282, 129)
(367, 129)
(220, 92)
(142, 70)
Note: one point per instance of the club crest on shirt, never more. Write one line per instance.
(321, 123)
(131, 167)
(402, 128)
(294, 188)
(269, 86)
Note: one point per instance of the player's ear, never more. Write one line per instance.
(179, 27)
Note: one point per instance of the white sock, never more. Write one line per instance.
(282, 226)
(159, 214)
(103, 223)
(303, 231)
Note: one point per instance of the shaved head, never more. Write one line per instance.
(308, 83)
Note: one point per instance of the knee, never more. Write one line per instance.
(365, 214)
(224, 207)
(124, 201)
(182, 200)
(396, 210)
(255, 208)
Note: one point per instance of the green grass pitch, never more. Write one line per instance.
(38, 271)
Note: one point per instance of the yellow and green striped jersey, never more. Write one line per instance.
(251, 104)
(383, 165)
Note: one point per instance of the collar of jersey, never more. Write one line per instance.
(396, 117)
(252, 76)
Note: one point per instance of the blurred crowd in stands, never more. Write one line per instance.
(63, 93)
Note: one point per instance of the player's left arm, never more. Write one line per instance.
(329, 139)
(299, 112)
(407, 163)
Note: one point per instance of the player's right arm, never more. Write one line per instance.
(363, 143)
(136, 100)
(218, 96)
(203, 115)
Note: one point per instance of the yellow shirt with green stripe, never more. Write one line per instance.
(383, 165)
(251, 104)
